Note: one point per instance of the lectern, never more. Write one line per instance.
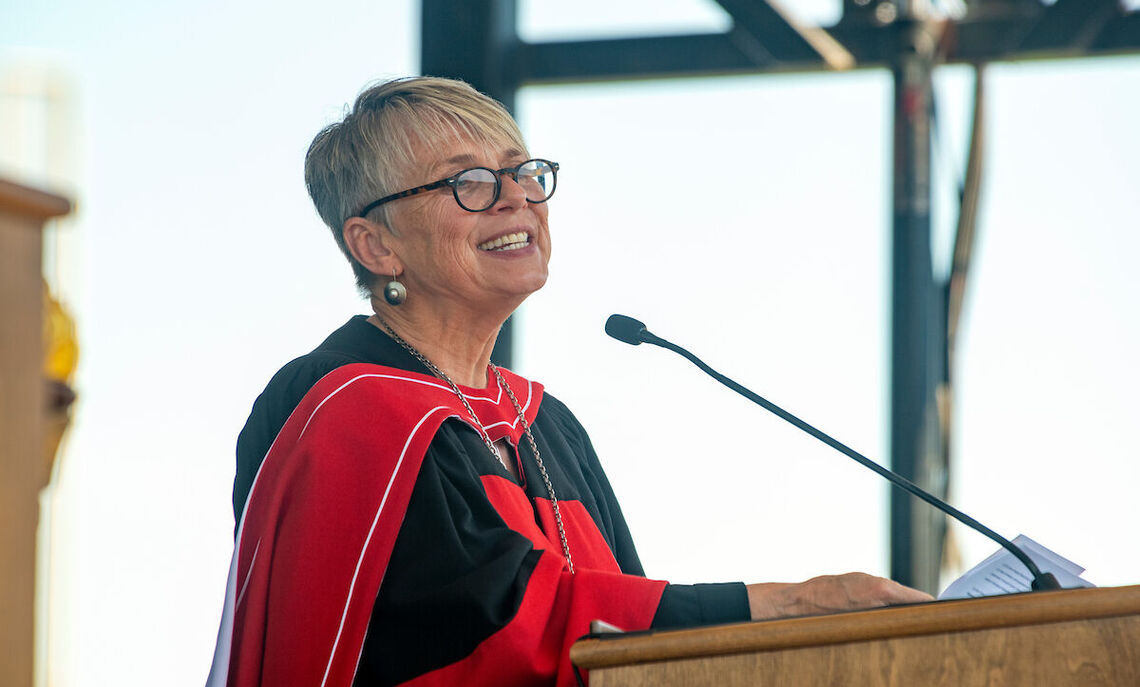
(23, 472)
(1066, 637)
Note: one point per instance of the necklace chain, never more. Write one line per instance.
(483, 431)
(539, 463)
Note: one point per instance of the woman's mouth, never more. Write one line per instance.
(509, 242)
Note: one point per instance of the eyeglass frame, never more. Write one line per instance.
(451, 181)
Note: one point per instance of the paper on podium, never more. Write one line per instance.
(1002, 573)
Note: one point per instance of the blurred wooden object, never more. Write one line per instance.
(23, 414)
(1067, 637)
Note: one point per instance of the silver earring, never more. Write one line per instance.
(394, 292)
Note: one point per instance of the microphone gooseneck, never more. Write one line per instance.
(633, 332)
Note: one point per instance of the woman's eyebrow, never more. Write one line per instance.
(465, 157)
(451, 162)
(469, 159)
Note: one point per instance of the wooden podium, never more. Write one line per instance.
(23, 469)
(1068, 637)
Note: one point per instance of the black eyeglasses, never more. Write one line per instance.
(477, 189)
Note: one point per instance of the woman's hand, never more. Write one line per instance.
(828, 594)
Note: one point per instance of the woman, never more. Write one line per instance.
(419, 514)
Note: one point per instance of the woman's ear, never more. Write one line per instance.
(366, 242)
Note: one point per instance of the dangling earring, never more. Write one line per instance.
(394, 291)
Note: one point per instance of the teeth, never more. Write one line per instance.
(509, 242)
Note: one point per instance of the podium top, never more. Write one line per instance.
(29, 202)
(937, 617)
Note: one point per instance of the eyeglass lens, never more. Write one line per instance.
(475, 188)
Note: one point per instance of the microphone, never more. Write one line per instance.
(634, 333)
(629, 330)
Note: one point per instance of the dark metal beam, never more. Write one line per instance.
(638, 58)
(987, 38)
(474, 41)
(471, 41)
(1070, 25)
(1121, 35)
(918, 332)
(758, 22)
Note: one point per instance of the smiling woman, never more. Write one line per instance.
(468, 257)
(406, 509)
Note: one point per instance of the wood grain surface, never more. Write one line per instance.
(1070, 637)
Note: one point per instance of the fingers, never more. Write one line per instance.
(901, 594)
(867, 591)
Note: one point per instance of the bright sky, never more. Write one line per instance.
(744, 218)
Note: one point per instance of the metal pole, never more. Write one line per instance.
(476, 42)
(918, 320)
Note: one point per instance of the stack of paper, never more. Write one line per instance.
(1002, 573)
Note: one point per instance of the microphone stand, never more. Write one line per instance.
(633, 332)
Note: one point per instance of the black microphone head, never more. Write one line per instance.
(625, 329)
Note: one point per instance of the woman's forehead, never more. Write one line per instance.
(458, 154)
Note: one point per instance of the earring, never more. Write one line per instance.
(394, 291)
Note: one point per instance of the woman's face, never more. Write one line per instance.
(446, 251)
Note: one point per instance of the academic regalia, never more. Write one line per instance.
(380, 542)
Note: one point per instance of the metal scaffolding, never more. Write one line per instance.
(477, 41)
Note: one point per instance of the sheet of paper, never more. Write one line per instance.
(1002, 573)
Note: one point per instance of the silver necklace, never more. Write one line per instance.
(483, 431)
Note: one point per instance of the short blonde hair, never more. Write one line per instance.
(369, 153)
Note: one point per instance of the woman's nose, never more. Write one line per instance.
(511, 192)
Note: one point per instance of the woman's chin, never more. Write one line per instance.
(517, 290)
(518, 272)
(527, 286)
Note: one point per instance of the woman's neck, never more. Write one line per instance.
(460, 348)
